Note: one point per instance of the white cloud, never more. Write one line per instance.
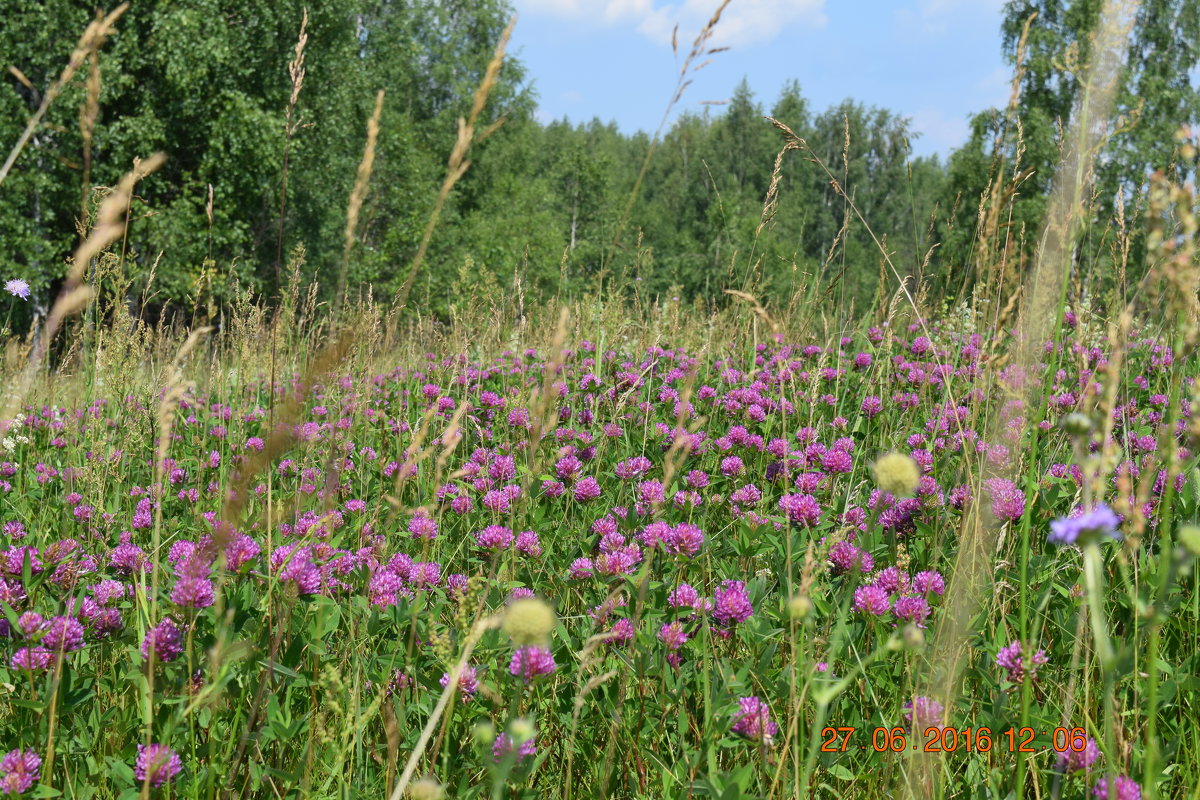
(743, 22)
(559, 8)
(938, 17)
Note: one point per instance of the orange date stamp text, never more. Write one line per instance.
(947, 739)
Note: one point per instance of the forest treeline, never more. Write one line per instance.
(541, 205)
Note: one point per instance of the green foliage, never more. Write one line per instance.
(279, 689)
(207, 81)
(1018, 151)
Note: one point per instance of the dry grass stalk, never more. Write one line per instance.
(998, 196)
(771, 203)
(279, 441)
(110, 224)
(902, 280)
(546, 412)
(477, 630)
(111, 218)
(758, 308)
(93, 38)
(413, 455)
(281, 435)
(1042, 307)
(458, 163)
(699, 48)
(358, 193)
(88, 114)
(291, 124)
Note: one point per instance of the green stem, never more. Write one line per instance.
(1094, 582)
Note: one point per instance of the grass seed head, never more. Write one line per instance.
(529, 621)
(484, 733)
(521, 730)
(914, 637)
(897, 474)
(1077, 424)
(426, 789)
(1189, 537)
(799, 607)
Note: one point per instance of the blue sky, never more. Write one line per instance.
(936, 61)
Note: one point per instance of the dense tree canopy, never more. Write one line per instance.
(207, 82)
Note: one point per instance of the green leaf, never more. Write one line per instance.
(840, 772)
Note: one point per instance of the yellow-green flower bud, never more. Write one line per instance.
(1189, 537)
(897, 474)
(521, 730)
(426, 789)
(529, 621)
(799, 607)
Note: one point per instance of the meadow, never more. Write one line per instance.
(615, 542)
(752, 546)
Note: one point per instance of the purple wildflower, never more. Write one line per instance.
(194, 589)
(107, 592)
(384, 586)
(622, 632)
(30, 623)
(15, 560)
(63, 634)
(892, 580)
(731, 604)
(1079, 760)
(753, 720)
(127, 558)
(922, 712)
(295, 564)
(1008, 502)
(422, 527)
(19, 770)
(1100, 522)
(17, 288)
(11, 591)
(1126, 789)
(929, 582)
(163, 640)
(1012, 660)
(581, 568)
(503, 747)
(872, 600)
(156, 764)
(530, 662)
(468, 683)
(684, 539)
(673, 635)
(34, 659)
(587, 489)
(801, 509)
(240, 551)
(527, 544)
(912, 609)
(684, 595)
(844, 557)
(494, 538)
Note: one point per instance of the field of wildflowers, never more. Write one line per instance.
(690, 560)
(613, 545)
